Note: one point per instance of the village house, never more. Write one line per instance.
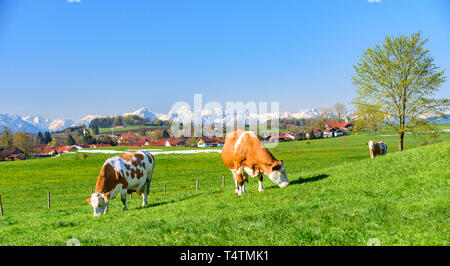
(144, 141)
(288, 135)
(169, 143)
(203, 142)
(343, 126)
(127, 138)
(52, 150)
(9, 154)
(317, 133)
(337, 129)
(281, 137)
(332, 132)
(175, 143)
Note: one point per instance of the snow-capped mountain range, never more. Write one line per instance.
(36, 123)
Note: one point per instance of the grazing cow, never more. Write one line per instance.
(377, 148)
(126, 173)
(245, 156)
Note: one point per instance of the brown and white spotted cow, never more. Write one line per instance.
(377, 148)
(126, 173)
(245, 156)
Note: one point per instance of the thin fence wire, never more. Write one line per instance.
(66, 197)
(33, 198)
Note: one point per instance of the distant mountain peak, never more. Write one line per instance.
(144, 113)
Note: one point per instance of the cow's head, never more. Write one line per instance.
(371, 145)
(98, 202)
(278, 174)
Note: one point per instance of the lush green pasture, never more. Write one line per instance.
(338, 196)
(129, 127)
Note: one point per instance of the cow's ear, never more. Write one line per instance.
(88, 200)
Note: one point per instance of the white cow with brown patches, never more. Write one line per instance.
(123, 174)
(377, 148)
(245, 156)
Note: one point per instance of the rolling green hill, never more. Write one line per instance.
(338, 196)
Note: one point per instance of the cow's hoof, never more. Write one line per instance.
(125, 209)
(261, 190)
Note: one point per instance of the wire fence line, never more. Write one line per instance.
(59, 198)
(164, 184)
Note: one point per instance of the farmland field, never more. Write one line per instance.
(338, 196)
(131, 129)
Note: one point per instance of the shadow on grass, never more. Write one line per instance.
(303, 180)
(311, 179)
(175, 200)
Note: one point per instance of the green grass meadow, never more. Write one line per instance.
(337, 196)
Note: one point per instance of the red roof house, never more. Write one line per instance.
(343, 125)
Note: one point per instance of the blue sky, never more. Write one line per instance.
(62, 59)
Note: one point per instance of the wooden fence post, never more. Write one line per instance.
(164, 189)
(196, 186)
(223, 181)
(48, 200)
(1, 206)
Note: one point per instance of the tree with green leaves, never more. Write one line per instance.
(6, 139)
(39, 138)
(47, 137)
(24, 142)
(87, 138)
(142, 131)
(166, 134)
(95, 129)
(158, 134)
(191, 142)
(311, 134)
(396, 83)
(157, 122)
(368, 117)
(70, 140)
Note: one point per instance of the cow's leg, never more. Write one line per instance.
(123, 198)
(146, 192)
(260, 179)
(107, 208)
(244, 179)
(240, 184)
(236, 191)
(106, 197)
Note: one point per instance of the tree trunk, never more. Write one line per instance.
(400, 141)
